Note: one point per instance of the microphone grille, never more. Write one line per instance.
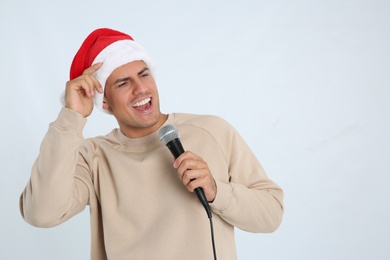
(168, 133)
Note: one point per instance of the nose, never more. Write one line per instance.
(138, 87)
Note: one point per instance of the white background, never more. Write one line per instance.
(305, 82)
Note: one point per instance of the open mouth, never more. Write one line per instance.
(143, 105)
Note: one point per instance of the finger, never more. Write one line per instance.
(189, 176)
(194, 179)
(89, 84)
(88, 75)
(89, 72)
(93, 68)
(188, 167)
(203, 174)
(84, 84)
(207, 183)
(185, 156)
(192, 185)
(93, 84)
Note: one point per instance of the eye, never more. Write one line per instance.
(145, 74)
(122, 84)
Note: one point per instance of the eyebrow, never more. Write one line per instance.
(142, 71)
(128, 78)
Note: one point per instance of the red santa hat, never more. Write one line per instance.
(114, 49)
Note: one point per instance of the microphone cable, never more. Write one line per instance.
(202, 197)
(212, 237)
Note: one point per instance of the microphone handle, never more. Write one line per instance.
(175, 147)
(202, 197)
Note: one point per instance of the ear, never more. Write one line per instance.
(105, 103)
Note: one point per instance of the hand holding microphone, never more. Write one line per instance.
(192, 170)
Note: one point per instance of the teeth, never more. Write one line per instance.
(142, 102)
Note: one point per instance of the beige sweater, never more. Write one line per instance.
(139, 208)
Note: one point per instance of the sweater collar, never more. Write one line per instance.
(151, 138)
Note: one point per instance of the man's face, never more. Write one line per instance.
(131, 96)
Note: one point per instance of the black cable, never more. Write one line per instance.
(212, 238)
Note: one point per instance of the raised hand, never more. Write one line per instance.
(80, 91)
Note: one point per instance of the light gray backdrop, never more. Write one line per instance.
(305, 82)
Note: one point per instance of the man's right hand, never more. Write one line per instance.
(80, 91)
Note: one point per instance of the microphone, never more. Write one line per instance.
(170, 136)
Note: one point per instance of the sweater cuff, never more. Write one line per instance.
(70, 120)
(223, 198)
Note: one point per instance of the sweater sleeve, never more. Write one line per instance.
(58, 186)
(249, 200)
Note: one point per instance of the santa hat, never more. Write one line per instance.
(114, 49)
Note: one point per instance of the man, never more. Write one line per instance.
(141, 200)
